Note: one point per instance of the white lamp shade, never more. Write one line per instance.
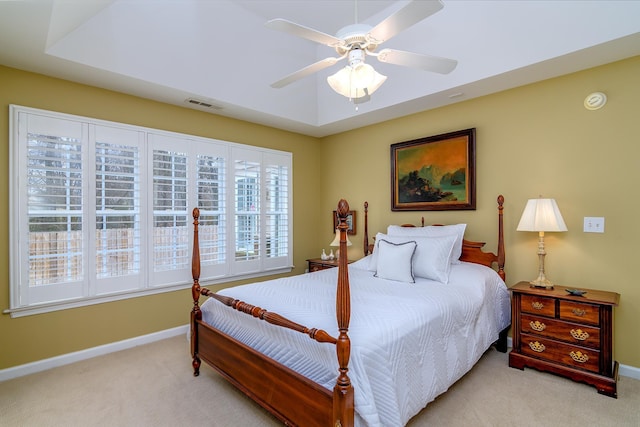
(541, 215)
(336, 240)
(351, 82)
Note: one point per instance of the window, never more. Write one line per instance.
(103, 211)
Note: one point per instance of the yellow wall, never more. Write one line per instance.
(31, 338)
(533, 140)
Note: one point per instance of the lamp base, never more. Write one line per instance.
(541, 282)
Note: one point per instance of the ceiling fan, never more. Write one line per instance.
(357, 41)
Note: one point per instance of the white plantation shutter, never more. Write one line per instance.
(117, 244)
(212, 193)
(52, 156)
(103, 211)
(171, 252)
(247, 233)
(277, 207)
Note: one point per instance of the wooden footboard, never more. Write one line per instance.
(289, 396)
(292, 398)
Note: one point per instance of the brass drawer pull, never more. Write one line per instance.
(537, 347)
(579, 334)
(537, 305)
(579, 356)
(579, 312)
(537, 326)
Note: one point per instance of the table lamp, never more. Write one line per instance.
(336, 241)
(541, 215)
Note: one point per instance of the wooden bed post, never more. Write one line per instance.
(501, 252)
(196, 314)
(343, 404)
(366, 228)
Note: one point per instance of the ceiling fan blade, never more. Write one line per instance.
(306, 71)
(417, 60)
(304, 32)
(412, 13)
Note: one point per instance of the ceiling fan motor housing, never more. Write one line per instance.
(355, 37)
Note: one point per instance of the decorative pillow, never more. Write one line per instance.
(433, 231)
(395, 261)
(432, 256)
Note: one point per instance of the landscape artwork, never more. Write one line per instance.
(434, 173)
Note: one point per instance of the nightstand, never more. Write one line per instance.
(567, 335)
(316, 264)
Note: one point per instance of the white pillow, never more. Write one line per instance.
(432, 256)
(363, 263)
(433, 231)
(395, 261)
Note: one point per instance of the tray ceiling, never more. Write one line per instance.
(218, 52)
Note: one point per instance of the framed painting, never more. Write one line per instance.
(435, 173)
(351, 222)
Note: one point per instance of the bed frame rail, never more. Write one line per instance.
(270, 317)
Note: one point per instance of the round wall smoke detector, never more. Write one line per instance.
(595, 101)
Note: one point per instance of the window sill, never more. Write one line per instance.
(68, 304)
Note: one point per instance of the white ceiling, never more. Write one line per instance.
(219, 51)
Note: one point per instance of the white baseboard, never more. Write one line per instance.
(65, 359)
(629, 371)
(623, 370)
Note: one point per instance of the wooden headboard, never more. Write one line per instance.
(471, 251)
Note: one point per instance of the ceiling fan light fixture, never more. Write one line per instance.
(356, 82)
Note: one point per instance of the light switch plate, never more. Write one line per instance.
(594, 224)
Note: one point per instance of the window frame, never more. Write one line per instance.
(224, 153)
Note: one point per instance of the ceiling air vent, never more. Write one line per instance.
(202, 104)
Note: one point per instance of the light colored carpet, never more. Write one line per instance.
(153, 385)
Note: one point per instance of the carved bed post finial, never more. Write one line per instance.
(196, 314)
(343, 402)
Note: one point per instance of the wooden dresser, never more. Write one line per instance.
(567, 335)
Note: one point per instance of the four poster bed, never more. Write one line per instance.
(426, 306)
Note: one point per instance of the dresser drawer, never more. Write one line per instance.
(572, 333)
(580, 312)
(567, 354)
(538, 305)
(316, 267)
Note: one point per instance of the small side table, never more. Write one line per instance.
(567, 335)
(317, 264)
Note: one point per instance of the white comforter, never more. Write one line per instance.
(409, 342)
